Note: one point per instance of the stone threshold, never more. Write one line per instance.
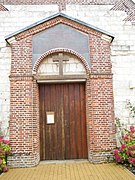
(64, 161)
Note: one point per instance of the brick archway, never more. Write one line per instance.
(68, 92)
(24, 95)
(59, 50)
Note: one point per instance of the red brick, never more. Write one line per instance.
(24, 120)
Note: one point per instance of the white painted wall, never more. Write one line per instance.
(122, 50)
(10, 21)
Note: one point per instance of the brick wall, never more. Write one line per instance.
(60, 1)
(24, 130)
(122, 50)
(125, 5)
(2, 8)
(102, 131)
(100, 55)
(24, 120)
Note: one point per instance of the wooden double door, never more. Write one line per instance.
(63, 121)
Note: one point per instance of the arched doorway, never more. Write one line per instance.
(86, 48)
(62, 103)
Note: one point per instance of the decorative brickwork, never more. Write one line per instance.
(124, 5)
(2, 8)
(39, 61)
(60, 3)
(24, 120)
(130, 17)
(127, 6)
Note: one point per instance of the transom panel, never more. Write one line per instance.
(61, 64)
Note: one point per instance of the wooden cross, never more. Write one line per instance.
(60, 60)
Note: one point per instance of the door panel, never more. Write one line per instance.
(67, 137)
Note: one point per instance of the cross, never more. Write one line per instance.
(60, 59)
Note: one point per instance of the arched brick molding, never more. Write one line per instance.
(2, 8)
(24, 93)
(52, 51)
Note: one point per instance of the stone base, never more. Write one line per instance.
(101, 157)
(23, 160)
(29, 160)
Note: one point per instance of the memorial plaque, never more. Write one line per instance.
(50, 117)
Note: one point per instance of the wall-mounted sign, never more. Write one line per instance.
(50, 117)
